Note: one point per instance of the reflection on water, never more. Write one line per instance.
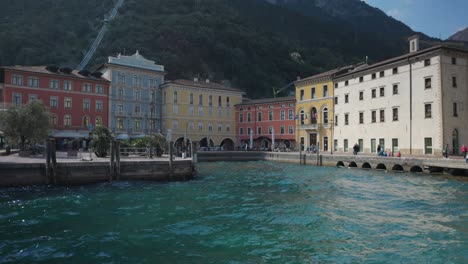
(253, 212)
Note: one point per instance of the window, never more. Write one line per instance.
(259, 116)
(98, 105)
(121, 93)
(228, 128)
(259, 130)
(455, 112)
(395, 70)
(136, 94)
(374, 76)
(382, 91)
(121, 77)
(291, 130)
(120, 123)
(346, 119)
(361, 79)
(395, 114)
(282, 130)
(346, 83)
(220, 127)
(67, 86)
(249, 117)
(373, 145)
(270, 130)
(454, 60)
(382, 143)
(53, 102)
(200, 99)
(175, 97)
(67, 102)
(227, 102)
(312, 92)
(345, 145)
(67, 121)
(325, 91)
(427, 62)
(325, 115)
(32, 98)
(291, 114)
(153, 83)
(241, 117)
(86, 104)
(427, 83)
(374, 93)
(374, 116)
(336, 120)
(200, 127)
(53, 120)
(87, 88)
(137, 124)
(33, 82)
(210, 127)
(98, 121)
(336, 85)
(210, 100)
(335, 145)
(427, 110)
(54, 84)
(85, 121)
(346, 98)
(361, 95)
(361, 118)
(99, 89)
(270, 115)
(200, 110)
(282, 115)
(454, 82)
(137, 109)
(17, 80)
(336, 100)
(135, 80)
(301, 95)
(382, 115)
(395, 89)
(428, 146)
(382, 74)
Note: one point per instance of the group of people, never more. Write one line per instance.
(311, 149)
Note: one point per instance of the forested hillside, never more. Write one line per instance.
(251, 43)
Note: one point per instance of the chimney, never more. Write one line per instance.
(298, 78)
(414, 43)
(207, 80)
(195, 79)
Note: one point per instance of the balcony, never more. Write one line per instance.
(137, 114)
(120, 113)
(309, 126)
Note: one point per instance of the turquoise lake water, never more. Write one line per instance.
(254, 212)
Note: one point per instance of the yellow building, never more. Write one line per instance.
(314, 110)
(200, 111)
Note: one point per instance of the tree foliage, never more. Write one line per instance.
(25, 125)
(101, 141)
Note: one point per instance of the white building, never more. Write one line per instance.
(414, 103)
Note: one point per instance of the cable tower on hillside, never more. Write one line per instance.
(100, 36)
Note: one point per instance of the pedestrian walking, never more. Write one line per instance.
(378, 150)
(464, 150)
(355, 149)
(445, 152)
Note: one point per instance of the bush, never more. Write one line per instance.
(101, 141)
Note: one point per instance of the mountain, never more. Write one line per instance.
(461, 35)
(254, 44)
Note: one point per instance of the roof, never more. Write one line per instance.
(402, 57)
(135, 61)
(268, 100)
(330, 73)
(43, 70)
(202, 84)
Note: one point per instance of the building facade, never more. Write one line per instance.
(135, 95)
(200, 111)
(413, 104)
(260, 122)
(77, 101)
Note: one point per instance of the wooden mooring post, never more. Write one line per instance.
(51, 161)
(112, 161)
(171, 158)
(117, 158)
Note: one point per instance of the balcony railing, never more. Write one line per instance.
(120, 113)
(309, 126)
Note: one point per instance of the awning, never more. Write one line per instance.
(122, 136)
(70, 134)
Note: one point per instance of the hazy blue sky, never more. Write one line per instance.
(436, 18)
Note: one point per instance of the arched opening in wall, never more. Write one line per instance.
(180, 146)
(455, 142)
(227, 144)
(302, 117)
(204, 143)
(416, 169)
(381, 166)
(397, 167)
(366, 165)
(352, 164)
(313, 116)
(287, 144)
(264, 144)
(340, 164)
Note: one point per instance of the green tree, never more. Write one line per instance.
(101, 141)
(26, 125)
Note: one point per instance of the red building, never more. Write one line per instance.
(266, 118)
(77, 101)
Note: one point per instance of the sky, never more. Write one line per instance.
(436, 18)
